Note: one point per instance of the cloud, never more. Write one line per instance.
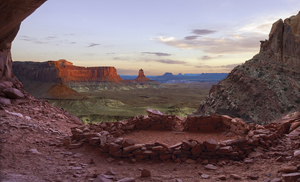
(54, 40)
(169, 61)
(231, 66)
(33, 40)
(51, 37)
(93, 45)
(203, 31)
(215, 45)
(205, 57)
(228, 67)
(127, 71)
(157, 53)
(191, 37)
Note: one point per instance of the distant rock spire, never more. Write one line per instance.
(141, 77)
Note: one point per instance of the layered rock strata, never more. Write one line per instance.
(266, 86)
(107, 137)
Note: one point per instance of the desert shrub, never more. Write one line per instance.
(285, 89)
(282, 110)
(297, 101)
(289, 108)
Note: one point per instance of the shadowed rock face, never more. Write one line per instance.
(12, 13)
(268, 85)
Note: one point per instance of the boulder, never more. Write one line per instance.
(13, 93)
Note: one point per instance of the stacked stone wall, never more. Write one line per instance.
(108, 138)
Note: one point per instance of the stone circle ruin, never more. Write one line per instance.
(108, 138)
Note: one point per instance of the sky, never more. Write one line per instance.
(178, 36)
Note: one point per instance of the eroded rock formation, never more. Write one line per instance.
(268, 85)
(142, 77)
(12, 13)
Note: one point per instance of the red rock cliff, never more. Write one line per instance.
(284, 41)
(70, 73)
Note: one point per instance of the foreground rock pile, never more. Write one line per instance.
(108, 138)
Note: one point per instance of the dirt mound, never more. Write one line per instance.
(63, 91)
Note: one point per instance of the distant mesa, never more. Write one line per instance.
(70, 73)
(60, 79)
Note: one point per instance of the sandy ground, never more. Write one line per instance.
(172, 138)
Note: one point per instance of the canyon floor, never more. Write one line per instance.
(32, 134)
(177, 98)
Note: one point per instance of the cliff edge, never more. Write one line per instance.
(266, 86)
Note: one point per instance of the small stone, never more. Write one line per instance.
(222, 177)
(128, 142)
(34, 151)
(68, 153)
(205, 176)
(110, 172)
(288, 169)
(178, 180)
(291, 177)
(235, 177)
(76, 175)
(127, 180)
(101, 178)
(5, 101)
(145, 173)
(190, 161)
(120, 163)
(204, 162)
(276, 180)
(297, 153)
(77, 155)
(210, 167)
(13, 93)
(253, 176)
(280, 159)
(248, 161)
(110, 159)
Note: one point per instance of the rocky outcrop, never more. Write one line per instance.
(141, 78)
(12, 13)
(284, 41)
(268, 85)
